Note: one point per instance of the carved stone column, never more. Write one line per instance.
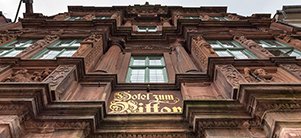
(109, 61)
(252, 46)
(201, 51)
(296, 43)
(38, 46)
(184, 62)
(91, 49)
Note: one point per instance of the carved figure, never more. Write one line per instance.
(257, 75)
(23, 75)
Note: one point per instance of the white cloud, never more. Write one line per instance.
(242, 7)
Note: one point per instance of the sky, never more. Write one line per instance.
(241, 7)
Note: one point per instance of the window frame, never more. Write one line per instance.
(55, 47)
(237, 47)
(147, 67)
(147, 29)
(10, 48)
(282, 46)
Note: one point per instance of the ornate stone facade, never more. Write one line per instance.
(211, 87)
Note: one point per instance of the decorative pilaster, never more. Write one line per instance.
(60, 80)
(201, 51)
(184, 62)
(38, 46)
(89, 17)
(252, 46)
(91, 49)
(233, 17)
(108, 63)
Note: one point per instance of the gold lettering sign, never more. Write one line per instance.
(124, 102)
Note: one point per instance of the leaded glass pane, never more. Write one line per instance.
(12, 53)
(137, 75)
(51, 54)
(67, 53)
(223, 53)
(139, 62)
(239, 55)
(156, 75)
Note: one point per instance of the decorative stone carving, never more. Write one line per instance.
(61, 16)
(255, 48)
(47, 126)
(257, 75)
(24, 75)
(201, 42)
(205, 17)
(231, 74)
(38, 45)
(233, 17)
(58, 75)
(165, 22)
(89, 17)
(147, 10)
(91, 48)
(292, 68)
(289, 40)
(5, 38)
(201, 50)
(184, 61)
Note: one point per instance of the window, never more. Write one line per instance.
(102, 17)
(73, 18)
(14, 48)
(63, 48)
(220, 18)
(279, 49)
(231, 49)
(191, 17)
(147, 69)
(147, 29)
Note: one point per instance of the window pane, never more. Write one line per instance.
(239, 55)
(215, 45)
(223, 53)
(296, 54)
(3, 52)
(153, 62)
(67, 53)
(102, 17)
(137, 75)
(228, 44)
(139, 62)
(156, 75)
(273, 43)
(21, 43)
(51, 54)
(76, 43)
(12, 53)
(64, 43)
